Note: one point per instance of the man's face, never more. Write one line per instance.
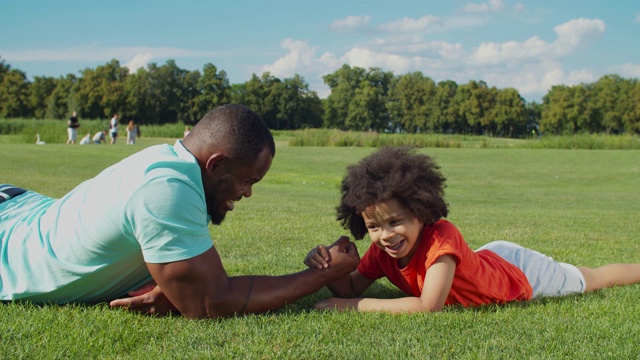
(235, 182)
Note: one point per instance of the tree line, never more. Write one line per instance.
(360, 100)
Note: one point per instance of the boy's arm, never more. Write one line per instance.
(438, 280)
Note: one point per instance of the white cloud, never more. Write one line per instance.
(132, 55)
(572, 35)
(626, 70)
(519, 7)
(535, 79)
(510, 52)
(300, 59)
(637, 18)
(407, 24)
(350, 23)
(577, 33)
(491, 6)
(139, 61)
(367, 58)
(531, 66)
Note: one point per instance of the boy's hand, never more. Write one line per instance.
(318, 258)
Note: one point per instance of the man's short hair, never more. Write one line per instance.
(238, 129)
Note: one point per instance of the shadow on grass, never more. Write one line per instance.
(388, 291)
(379, 290)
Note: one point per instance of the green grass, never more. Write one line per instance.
(578, 206)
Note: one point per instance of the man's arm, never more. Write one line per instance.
(199, 287)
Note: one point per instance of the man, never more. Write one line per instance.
(113, 129)
(146, 219)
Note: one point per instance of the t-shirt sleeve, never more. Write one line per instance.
(445, 239)
(167, 216)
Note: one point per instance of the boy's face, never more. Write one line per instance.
(394, 229)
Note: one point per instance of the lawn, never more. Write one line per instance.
(578, 206)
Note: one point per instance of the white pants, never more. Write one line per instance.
(546, 276)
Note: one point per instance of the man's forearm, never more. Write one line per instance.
(256, 294)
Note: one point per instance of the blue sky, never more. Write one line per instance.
(528, 45)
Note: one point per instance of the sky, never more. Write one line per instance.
(530, 45)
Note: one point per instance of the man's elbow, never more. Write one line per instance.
(212, 309)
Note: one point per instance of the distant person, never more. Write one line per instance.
(133, 131)
(86, 139)
(100, 137)
(72, 128)
(187, 130)
(113, 129)
(397, 197)
(146, 218)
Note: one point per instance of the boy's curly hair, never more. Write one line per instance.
(397, 173)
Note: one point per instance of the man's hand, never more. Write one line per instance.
(147, 299)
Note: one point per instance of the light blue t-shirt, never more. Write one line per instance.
(93, 244)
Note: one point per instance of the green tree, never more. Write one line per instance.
(358, 99)
(294, 104)
(40, 91)
(533, 115)
(58, 103)
(160, 94)
(14, 92)
(476, 101)
(556, 106)
(509, 113)
(254, 94)
(609, 92)
(631, 102)
(367, 110)
(411, 103)
(343, 84)
(101, 91)
(212, 90)
(444, 107)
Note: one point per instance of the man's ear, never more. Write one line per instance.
(214, 160)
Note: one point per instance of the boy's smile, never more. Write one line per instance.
(394, 229)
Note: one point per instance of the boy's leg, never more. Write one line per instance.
(546, 276)
(610, 275)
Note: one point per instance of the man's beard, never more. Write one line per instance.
(216, 217)
(212, 209)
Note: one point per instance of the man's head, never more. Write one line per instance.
(234, 149)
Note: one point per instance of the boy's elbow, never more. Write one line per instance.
(428, 307)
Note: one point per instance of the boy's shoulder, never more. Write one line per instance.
(444, 225)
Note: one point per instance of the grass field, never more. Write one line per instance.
(578, 206)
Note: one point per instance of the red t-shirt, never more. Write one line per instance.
(480, 278)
